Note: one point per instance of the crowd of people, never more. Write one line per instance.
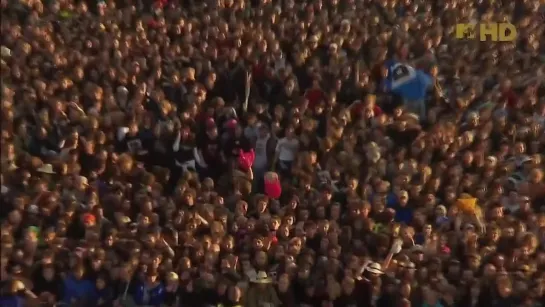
(252, 153)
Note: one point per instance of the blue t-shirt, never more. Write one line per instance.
(11, 301)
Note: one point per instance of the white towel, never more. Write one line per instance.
(186, 165)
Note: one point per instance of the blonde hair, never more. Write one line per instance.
(530, 240)
(125, 162)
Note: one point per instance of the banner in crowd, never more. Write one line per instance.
(407, 81)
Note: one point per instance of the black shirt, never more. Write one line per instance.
(403, 138)
(184, 153)
(347, 300)
(170, 297)
(42, 285)
(234, 144)
(364, 292)
(88, 163)
(130, 143)
(190, 298)
(210, 150)
(287, 298)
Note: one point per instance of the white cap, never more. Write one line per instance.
(33, 209)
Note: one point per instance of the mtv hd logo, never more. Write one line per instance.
(502, 32)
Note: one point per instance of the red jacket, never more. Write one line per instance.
(314, 96)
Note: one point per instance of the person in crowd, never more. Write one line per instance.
(261, 291)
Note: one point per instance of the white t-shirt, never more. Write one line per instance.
(287, 149)
(510, 204)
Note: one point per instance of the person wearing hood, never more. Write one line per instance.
(103, 293)
(76, 288)
(11, 294)
(403, 213)
(47, 281)
(149, 292)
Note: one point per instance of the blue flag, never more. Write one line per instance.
(406, 81)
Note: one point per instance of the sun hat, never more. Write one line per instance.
(374, 268)
(313, 39)
(125, 220)
(492, 159)
(261, 278)
(172, 276)
(46, 169)
(5, 52)
(473, 115)
(33, 209)
(82, 180)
